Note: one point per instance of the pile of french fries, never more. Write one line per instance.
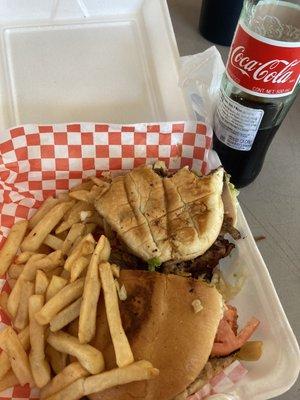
(56, 270)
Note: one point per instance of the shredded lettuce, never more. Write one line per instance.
(228, 290)
(153, 264)
(233, 190)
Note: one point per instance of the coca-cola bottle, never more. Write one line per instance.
(258, 87)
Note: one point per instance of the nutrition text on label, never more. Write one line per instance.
(236, 125)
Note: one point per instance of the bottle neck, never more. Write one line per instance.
(274, 19)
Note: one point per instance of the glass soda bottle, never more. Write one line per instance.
(258, 87)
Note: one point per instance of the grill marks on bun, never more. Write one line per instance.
(177, 217)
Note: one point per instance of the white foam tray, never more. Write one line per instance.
(87, 60)
(278, 368)
(116, 61)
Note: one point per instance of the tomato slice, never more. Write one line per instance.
(227, 339)
(231, 317)
(247, 331)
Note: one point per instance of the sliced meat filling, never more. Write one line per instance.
(200, 267)
(212, 368)
(203, 266)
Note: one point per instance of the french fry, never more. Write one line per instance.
(82, 195)
(46, 263)
(56, 271)
(47, 205)
(74, 216)
(63, 197)
(102, 337)
(54, 242)
(58, 361)
(74, 391)
(14, 297)
(3, 301)
(121, 345)
(73, 327)
(24, 338)
(66, 304)
(38, 234)
(39, 365)
(75, 232)
(65, 274)
(14, 271)
(75, 244)
(4, 360)
(89, 228)
(66, 214)
(51, 261)
(90, 358)
(86, 185)
(62, 235)
(11, 344)
(44, 249)
(9, 380)
(115, 269)
(66, 316)
(78, 267)
(12, 244)
(97, 181)
(58, 302)
(67, 376)
(66, 217)
(11, 282)
(138, 371)
(22, 258)
(41, 282)
(83, 248)
(88, 310)
(55, 285)
(22, 316)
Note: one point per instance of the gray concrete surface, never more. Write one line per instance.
(272, 203)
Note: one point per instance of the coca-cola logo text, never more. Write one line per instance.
(261, 66)
(274, 71)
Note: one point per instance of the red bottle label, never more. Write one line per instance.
(262, 66)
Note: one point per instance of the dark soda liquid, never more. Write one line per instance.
(218, 20)
(244, 166)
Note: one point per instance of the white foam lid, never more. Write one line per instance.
(91, 60)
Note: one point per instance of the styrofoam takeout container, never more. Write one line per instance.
(88, 60)
(116, 61)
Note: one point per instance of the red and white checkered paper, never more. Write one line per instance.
(37, 161)
(222, 382)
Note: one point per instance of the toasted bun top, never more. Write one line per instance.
(163, 328)
(171, 218)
